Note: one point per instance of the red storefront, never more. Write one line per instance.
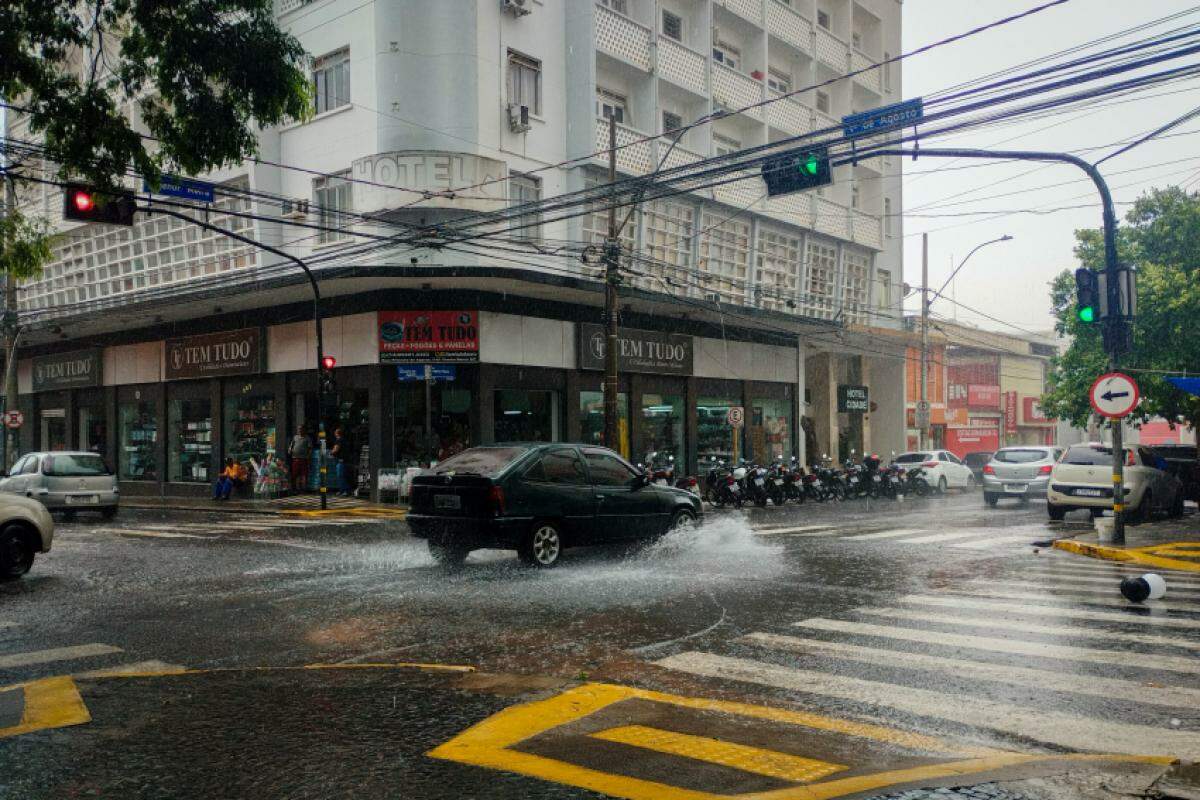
(982, 433)
(973, 397)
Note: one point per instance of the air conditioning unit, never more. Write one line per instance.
(518, 8)
(518, 118)
(294, 209)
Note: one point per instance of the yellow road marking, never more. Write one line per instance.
(739, 756)
(49, 703)
(1143, 556)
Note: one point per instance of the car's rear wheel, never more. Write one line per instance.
(16, 553)
(543, 545)
(448, 554)
(942, 485)
(991, 498)
(1143, 510)
(1055, 512)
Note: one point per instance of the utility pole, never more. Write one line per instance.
(923, 406)
(11, 335)
(612, 278)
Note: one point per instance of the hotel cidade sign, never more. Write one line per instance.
(640, 351)
(437, 173)
(227, 353)
(67, 370)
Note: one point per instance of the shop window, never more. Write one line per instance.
(189, 441)
(54, 429)
(770, 429)
(449, 419)
(249, 428)
(662, 427)
(591, 420)
(525, 416)
(138, 433)
(715, 437)
(93, 432)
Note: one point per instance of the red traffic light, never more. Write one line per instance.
(83, 200)
(84, 204)
(328, 362)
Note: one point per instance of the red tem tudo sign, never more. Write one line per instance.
(428, 336)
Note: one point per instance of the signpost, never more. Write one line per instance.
(1114, 395)
(13, 419)
(883, 118)
(736, 417)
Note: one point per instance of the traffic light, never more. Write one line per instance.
(1087, 295)
(797, 170)
(84, 204)
(328, 386)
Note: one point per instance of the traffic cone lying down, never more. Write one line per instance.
(1148, 587)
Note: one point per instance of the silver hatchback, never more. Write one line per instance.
(65, 481)
(1018, 472)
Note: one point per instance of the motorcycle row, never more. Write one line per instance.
(735, 484)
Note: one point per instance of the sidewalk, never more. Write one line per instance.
(303, 505)
(1165, 544)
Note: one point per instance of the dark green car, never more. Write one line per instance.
(540, 499)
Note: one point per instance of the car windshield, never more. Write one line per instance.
(1021, 456)
(485, 461)
(64, 465)
(1089, 455)
(912, 458)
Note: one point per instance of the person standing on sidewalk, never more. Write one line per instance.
(300, 451)
(338, 453)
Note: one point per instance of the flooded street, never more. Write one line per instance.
(868, 637)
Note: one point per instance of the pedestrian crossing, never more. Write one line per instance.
(97, 659)
(265, 531)
(962, 538)
(1017, 660)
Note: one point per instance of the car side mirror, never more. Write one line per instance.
(641, 480)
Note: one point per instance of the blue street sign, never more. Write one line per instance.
(185, 188)
(443, 372)
(884, 117)
(410, 372)
(419, 372)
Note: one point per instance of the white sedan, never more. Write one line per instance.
(1082, 479)
(25, 530)
(943, 469)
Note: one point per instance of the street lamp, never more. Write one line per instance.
(938, 293)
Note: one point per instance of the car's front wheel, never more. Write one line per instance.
(543, 545)
(681, 519)
(448, 554)
(109, 512)
(16, 553)
(991, 498)
(942, 485)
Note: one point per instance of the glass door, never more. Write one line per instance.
(54, 429)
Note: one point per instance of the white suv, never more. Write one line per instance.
(943, 469)
(1082, 478)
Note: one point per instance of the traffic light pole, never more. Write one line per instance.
(1116, 335)
(323, 471)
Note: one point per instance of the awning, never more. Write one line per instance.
(1189, 385)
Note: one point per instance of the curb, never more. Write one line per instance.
(1138, 555)
(275, 511)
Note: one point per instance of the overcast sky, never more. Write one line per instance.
(1008, 280)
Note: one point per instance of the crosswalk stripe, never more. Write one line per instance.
(1029, 627)
(942, 537)
(1092, 577)
(4, 625)
(990, 541)
(1065, 730)
(1067, 596)
(153, 534)
(1098, 567)
(794, 529)
(884, 534)
(997, 645)
(1107, 580)
(56, 654)
(1084, 591)
(136, 667)
(1171, 697)
(1048, 610)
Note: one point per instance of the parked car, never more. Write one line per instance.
(976, 462)
(540, 499)
(1019, 472)
(26, 529)
(65, 481)
(1183, 463)
(1082, 479)
(943, 469)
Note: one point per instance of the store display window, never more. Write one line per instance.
(662, 427)
(189, 442)
(92, 429)
(137, 438)
(715, 437)
(591, 420)
(769, 428)
(249, 428)
(525, 416)
(449, 419)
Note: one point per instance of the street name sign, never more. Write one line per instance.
(883, 118)
(1114, 395)
(172, 186)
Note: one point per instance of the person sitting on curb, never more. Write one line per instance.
(232, 476)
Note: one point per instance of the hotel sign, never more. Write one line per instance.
(67, 370)
(640, 351)
(388, 181)
(212, 354)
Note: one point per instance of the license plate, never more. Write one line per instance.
(447, 501)
(1014, 487)
(1089, 492)
(82, 499)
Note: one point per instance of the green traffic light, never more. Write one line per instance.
(811, 164)
(1087, 314)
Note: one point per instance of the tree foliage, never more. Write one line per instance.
(26, 245)
(200, 75)
(1162, 238)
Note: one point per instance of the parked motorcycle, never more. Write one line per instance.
(721, 487)
(793, 481)
(916, 483)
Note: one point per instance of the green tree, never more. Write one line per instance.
(202, 74)
(1162, 238)
(26, 245)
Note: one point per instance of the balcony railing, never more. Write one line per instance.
(789, 115)
(831, 218)
(831, 51)
(867, 229)
(678, 157)
(735, 90)
(789, 25)
(682, 65)
(621, 37)
(634, 159)
(746, 9)
(869, 79)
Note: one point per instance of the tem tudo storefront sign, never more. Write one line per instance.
(214, 354)
(640, 351)
(853, 398)
(78, 368)
(427, 336)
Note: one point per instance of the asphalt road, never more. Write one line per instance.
(803, 648)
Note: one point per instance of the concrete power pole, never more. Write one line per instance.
(923, 406)
(612, 277)
(11, 334)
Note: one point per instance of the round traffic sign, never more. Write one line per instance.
(14, 418)
(736, 416)
(1114, 395)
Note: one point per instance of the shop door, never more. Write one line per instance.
(54, 429)
(92, 430)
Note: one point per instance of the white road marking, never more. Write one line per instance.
(1093, 566)
(56, 654)
(153, 665)
(1107, 580)
(819, 529)
(892, 534)
(1113, 592)
(153, 534)
(288, 543)
(1172, 697)
(1048, 610)
(996, 645)
(993, 540)
(4, 624)
(1065, 730)
(943, 537)
(1029, 627)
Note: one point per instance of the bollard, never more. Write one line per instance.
(1148, 587)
